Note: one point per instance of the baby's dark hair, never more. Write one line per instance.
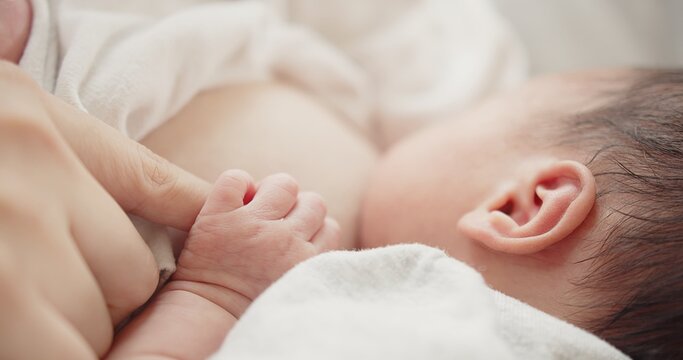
(636, 155)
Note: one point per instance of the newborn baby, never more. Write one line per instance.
(564, 194)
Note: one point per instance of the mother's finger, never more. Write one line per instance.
(116, 254)
(139, 180)
(37, 320)
(39, 261)
(109, 262)
(142, 182)
(41, 167)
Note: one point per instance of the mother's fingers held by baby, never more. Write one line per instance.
(36, 157)
(38, 254)
(32, 328)
(139, 180)
(117, 256)
(99, 260)
(142, 182)
(328, 237)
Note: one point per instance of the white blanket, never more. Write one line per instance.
(399, 302)
(387, 66)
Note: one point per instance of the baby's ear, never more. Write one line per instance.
(538, 209)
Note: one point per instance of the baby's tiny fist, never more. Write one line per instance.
(246, 237)
(308, 221)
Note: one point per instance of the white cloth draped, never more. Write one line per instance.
(399, 302)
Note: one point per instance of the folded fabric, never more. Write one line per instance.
(399, 302)
(134, 65)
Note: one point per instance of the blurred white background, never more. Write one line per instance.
(575, 34)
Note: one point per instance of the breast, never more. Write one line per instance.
(269, 128)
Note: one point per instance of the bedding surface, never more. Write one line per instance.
(399, 302)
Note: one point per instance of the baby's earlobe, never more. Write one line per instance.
(536, 211)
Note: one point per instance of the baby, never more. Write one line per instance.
(565, 194)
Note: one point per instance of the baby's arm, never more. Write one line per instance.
(237, 247)
(177, 324)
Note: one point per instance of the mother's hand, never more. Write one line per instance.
(142, 182)
(71, 263)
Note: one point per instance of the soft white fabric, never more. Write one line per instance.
(385, 65)
(160, 242)
(41, 55)
(399, 302)
(562, 36)
(423, 60)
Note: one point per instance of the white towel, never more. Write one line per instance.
(41, 55)
(399, 302)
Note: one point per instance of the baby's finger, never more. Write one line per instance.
(327, 238)
(275, 196)
(308, 215)
(229, 192)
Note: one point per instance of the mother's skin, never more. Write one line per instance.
(71, 263)
(261, 128)
(15, 26)
(268, 128)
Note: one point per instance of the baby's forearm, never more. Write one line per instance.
(177, 324)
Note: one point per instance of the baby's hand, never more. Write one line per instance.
(245, 238)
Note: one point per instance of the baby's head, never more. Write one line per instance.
(566, 194)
